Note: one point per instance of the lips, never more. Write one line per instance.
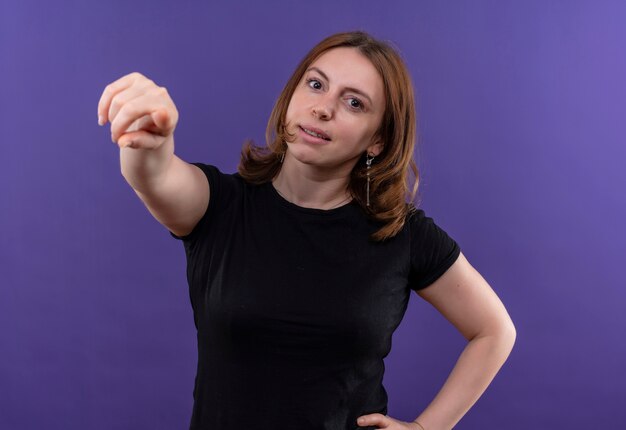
(315, 132)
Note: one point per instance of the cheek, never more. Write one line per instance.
(362, 135)
(295, 104)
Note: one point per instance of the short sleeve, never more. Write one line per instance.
(216, 185)
(433, 251)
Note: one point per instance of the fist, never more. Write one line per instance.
(142, 114)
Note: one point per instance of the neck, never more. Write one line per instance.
(311, 187)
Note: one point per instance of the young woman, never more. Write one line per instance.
(300, 265)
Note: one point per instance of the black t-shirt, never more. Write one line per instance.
(295, 307)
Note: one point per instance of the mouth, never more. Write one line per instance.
(315, 132)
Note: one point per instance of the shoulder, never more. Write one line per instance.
(218, 178)
(417, 219)
(433, 251)
(213, 171)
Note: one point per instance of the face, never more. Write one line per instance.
(340, 100)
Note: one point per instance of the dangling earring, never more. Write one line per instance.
(368, 161)
(282, 157)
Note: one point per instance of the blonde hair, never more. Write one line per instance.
(390, 184)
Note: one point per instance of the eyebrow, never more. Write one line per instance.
(354, 90)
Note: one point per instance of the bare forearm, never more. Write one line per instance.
(144, 168)
(476, 367)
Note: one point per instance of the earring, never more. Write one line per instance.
(368, 161)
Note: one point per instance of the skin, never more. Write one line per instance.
(316, 175)
(465, 299)
(143, 116)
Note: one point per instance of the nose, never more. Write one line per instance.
(322, 111)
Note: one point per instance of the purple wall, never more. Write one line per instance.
(521, 117)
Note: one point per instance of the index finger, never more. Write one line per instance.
(109, 92)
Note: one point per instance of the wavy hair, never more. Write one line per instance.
(390, 184)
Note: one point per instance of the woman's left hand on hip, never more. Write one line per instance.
(386, 422)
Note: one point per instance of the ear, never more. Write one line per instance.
(375, 148)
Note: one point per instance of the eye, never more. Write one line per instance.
(314, 83)
(355, 103)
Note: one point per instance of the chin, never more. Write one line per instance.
(303, 155)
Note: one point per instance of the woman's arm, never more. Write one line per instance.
(143, 118)
(465, 299)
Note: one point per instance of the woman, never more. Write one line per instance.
(300, 266)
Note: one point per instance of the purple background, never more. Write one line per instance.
(521, 120)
